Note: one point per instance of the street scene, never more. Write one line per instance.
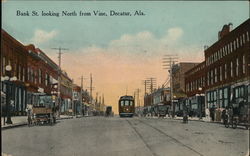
(119, 78)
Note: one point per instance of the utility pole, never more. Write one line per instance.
(168, 62)
(59, 79)
(81, 96)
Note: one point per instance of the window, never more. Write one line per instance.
(231, 68)
(122, 103)
(237, 66)
(215, 75)
(126, 103)
(208, 78)
(46, 79)
(3, 67)
(40, 76)
(212, 77)
(19, 72)
(225, 50)
(23, 74)
(220, 98)
(231, 47)
(225, 71)
(240, 40)
(225, 97)
(247, 36)
(237, 42)
(234, 46)
(243, 38)
(243, 64)
(28, 74)
(220, 73)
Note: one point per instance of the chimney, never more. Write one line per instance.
(225, 30)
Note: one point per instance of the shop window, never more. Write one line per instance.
(225, 93)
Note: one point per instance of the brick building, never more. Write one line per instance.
(66, 93)
(42, 75)
(178, 74)
(224, 76)
(14, 54)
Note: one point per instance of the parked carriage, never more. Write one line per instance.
(41, 115)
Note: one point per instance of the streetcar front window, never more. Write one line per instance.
(131, 103)
(122, 103)
(126, 103)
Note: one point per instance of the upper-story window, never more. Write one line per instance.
(4, 64)
(237, 42)
(247, 36)
(23, 74)
(212, 76)
(40, 76)
(208, 79)
(215, 75)
(225, 71)
(228, 48)
(240, 40)
(243, 38)
(231, 69)
(243, 64)
(234, 45)
(237, 66)
(220, 73)
(20, 72)
(231, 47)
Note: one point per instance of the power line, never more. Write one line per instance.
(169, 61)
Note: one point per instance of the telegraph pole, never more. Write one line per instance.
(81, 96)
(59, 79)
(168, 62)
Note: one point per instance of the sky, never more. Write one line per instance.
(121, 51)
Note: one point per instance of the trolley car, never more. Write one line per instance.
(126, 106)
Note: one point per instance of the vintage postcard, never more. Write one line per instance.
(125, 78)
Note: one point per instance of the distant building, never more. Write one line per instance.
(178, 74)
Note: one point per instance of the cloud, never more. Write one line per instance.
(41, 36)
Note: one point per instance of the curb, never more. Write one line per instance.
(13, 126)
(64, 118)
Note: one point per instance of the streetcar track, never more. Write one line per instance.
(144, 141)
(176, 140)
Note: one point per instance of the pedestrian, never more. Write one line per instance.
(185, 116)
(223, 115)
(29, 116)
(212, 112)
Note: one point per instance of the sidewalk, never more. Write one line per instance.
(16, 121)
(22, 120)
(190, 119)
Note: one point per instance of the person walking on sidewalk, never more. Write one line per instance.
(29, 113)
(212, 112)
